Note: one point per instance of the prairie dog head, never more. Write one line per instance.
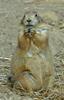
(30, 20)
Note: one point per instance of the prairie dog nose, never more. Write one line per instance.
(28, 20)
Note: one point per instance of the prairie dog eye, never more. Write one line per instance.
(36, 15)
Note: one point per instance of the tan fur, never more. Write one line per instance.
(24, 43)
(32, 65)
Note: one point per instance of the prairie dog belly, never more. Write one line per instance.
(34, 62)
(39, 66)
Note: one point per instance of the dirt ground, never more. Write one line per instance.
(11, 12)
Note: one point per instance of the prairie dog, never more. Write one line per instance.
(31, 64)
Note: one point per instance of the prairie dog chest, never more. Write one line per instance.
(34, 56)
(35, 50)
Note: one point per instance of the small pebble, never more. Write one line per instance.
(28, 1)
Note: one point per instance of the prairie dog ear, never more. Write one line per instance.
(40, 19)
(22, 20)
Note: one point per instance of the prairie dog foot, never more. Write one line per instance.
(27, 82)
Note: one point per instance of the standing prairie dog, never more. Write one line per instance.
(32, 65)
